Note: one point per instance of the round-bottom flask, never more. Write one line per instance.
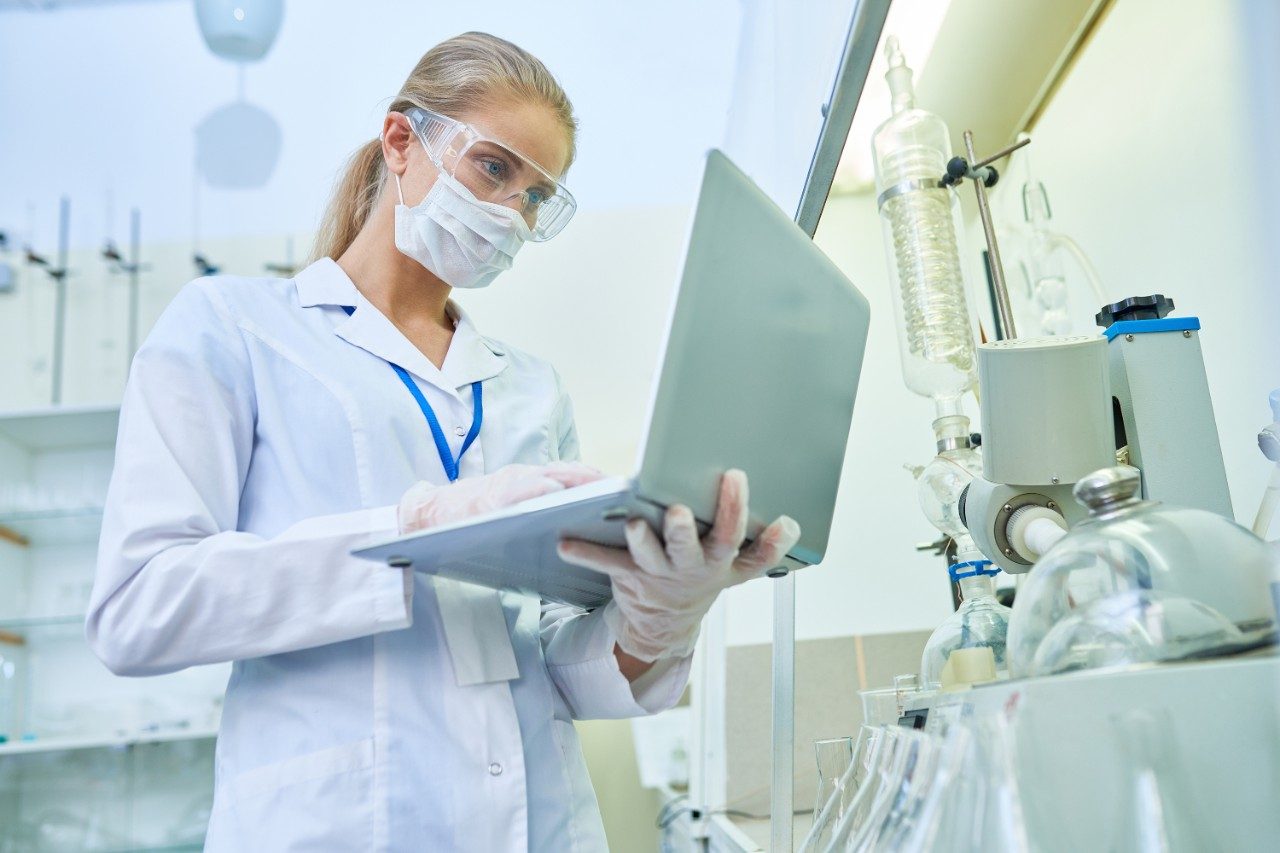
(979, 626)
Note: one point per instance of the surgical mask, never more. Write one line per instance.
(464, 241)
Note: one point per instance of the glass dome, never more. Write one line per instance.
(1140, 581)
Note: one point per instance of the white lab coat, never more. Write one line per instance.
(263, 436)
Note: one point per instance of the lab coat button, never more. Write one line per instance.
(495, 769)
(459, 432)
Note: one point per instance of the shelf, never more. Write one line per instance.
(55, 527)
(66, 744)
(61, 427)
(37, 623)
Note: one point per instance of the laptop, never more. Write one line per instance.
(760, 370)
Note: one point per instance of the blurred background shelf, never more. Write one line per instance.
(79, 525)
(61, 427)
(30, 627)
(66, 744)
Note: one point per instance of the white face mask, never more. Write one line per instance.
(463, 240)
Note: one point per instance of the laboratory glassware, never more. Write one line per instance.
(911, 150)
(13, 687)
(1140, 581)
(1042, 263)
(827, 817)
(834, 757)
(944, 479)
(877, 751)
(880, 706)
(1269, 444)
(981, 622)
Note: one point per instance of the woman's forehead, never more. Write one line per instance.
(530, 128)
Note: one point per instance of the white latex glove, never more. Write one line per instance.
(426, 505)
(662, 591)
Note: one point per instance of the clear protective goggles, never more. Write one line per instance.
(494, 172)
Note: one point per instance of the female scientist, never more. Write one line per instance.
(272, 426)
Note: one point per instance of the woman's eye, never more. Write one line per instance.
(536, 197)
(494, 168)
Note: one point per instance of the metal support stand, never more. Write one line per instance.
(782, 798)
(134, 268)
(60, 300)
(851, 78)
(58, 273)
(984, 176)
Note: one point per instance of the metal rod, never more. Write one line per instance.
(60, 298)
(1002, 153)
(1004, 311)
(782, 798)
(135, 270)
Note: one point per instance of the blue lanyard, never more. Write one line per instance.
(442, 444)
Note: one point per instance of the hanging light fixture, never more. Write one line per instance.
(239, 30)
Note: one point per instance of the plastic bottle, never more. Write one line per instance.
(935, 337)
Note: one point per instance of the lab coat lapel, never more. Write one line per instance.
(368, 329)
(472, 357)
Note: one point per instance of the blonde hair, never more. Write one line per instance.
(457, 75)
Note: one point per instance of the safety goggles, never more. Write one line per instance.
(494, 172)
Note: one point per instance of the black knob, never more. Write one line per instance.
(1151, 307)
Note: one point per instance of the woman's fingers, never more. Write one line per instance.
(768, 550)
(571, 474)
(611, 561)
(646, 548)
(730, 526)
(680, 532)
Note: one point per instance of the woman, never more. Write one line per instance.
(272, 426)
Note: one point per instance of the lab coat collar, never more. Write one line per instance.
(471, 357)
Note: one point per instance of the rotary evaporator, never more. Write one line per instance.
(1140, 650)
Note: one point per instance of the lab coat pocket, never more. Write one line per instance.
(325, 797)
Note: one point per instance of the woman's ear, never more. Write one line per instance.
(397, 136)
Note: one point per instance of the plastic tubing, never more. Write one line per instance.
(1270, 502)
(1086, 265)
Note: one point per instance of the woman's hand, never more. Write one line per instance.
(425, 505)
(663, 587)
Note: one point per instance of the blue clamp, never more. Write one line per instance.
(972, 569)
(1143, 327)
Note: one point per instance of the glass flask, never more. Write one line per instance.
(1140, 581)
(911, 150)
(834, 755)
(944, 479)
(981, 622)
(13, 688)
